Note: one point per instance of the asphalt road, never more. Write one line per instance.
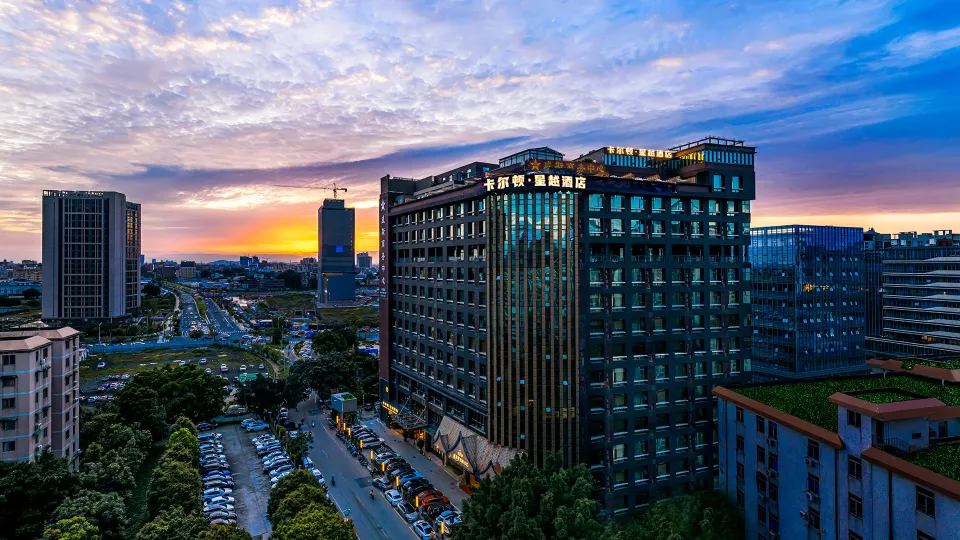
(372, 519)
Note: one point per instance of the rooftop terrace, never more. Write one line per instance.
(810, 400)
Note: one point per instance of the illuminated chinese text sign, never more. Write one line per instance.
(538, 180)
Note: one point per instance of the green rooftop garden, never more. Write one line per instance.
(943, 460)
(880, 397)
(808, 401)
(949, 363)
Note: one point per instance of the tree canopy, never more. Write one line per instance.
(31, 293)
(152, 289)
(298, 446)
(176, 480)
(224, 532)
(29, 494)
(105, 510)
(316, 522)
(157, 397)
(526, 502)
(173, 524)
(263, 394)
(299, 500)
(330, 372)
(704, 515)
(287, 484)
(75, 528)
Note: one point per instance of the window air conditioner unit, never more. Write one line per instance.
(803, 515)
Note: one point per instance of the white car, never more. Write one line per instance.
(393, 497)
(260, 366)
(182, 363)
(243, 368)
(208, 370)
(223, 368)
(101, 365)
(203, 361)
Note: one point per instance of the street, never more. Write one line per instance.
(373, 519)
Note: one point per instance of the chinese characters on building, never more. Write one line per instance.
(640, 152)
(538, 180)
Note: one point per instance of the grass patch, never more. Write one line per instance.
(808, 401)
(137, 502)
(880, 397)
(949, 363)
(289, 304)
(118, 364)
(158, 305)
(356, 316)
(943, 460)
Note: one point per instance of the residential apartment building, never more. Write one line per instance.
(585, 307)
(39, 391)
(28, 273)
(860, 457)
(336, 277)
(808, 301)
(91, 253)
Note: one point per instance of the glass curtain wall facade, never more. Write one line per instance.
(533, 322)
(132, 260)
(808, 304)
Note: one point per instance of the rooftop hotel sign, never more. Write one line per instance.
(639, 152)
(515, 181)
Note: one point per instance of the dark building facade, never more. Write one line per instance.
(364, 260)
(336, 277)
(808, 301)
(583, 307)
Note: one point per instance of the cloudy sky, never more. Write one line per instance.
(196, 108)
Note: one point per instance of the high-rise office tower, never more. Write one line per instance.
(335, 233)
(583, 307)
(91, 251)
(364, 260)
(808, 301)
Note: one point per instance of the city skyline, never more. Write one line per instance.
(198, 111)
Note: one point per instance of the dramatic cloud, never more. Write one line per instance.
(200, 109)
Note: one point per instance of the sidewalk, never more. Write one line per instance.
(429, 465)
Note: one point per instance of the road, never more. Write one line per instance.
(376, 519)
(220, 321)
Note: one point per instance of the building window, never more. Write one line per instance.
(739, 415)
(8, 403)
(774, 462)
(924, 536)
(739, 444)
(772, 430)
(813, 518)
(718, 182)
(761, 516)
(854, 536)
(740, 470)
(813, 484)
(926, 502)
(761, 454)
(855, 506)
(853, 419)
(9, 446)
(761, 425)
(855, 467)
(9, 360)
(813, 450)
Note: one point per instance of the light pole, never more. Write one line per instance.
(99, 338)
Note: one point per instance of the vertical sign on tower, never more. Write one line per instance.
(382, 285)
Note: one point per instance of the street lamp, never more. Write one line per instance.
(99, 338)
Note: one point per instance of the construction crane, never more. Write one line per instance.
(332, 187)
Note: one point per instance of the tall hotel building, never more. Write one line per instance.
(584, 307)
(808, 301)
(91, 254)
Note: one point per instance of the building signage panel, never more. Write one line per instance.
(577, 167)
(640, 152)
(503, 183)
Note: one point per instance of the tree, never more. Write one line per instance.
(337, 339)
(327, 372)
(152, 289)
(316, 522)
(287, 484)
(174, 524)
(142, 405)
(526, 502)
(31, 294)
(205, 274)
(195, 334)
(704, 515)
(183, 422)
(30, 492)
(224, 532)
(75, 528)
(298, 446)
(175, 484)
(105, 510)
(178, 390)
(263, 394)
(183, 447)
(299, 500)
(291, 279)
(279, 326)
(109, 471)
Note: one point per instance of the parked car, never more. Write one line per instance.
(208, 370)
(417, 489)
(101, 365)
(203, 361)
(276, 464)
(382, 484)
(218, 483)
(224, 499)
(318, 475)
(182, 363)
(261, 366)
(223, 522)
(220, 514)
(257, 427)
(273, 455)
(216, 492)
(218, 508)
(281, 470)
(216, 474)
(407, 512)
(224, 368)
(449, 518)
(393, 497)
(423, 530)
(243, 368)
(206, 426)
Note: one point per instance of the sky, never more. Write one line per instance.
(198, 109)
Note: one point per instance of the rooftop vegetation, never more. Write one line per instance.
(948, 363)
(809, 401)
(943, 460)
(880, 397)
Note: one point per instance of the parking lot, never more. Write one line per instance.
(252, 489)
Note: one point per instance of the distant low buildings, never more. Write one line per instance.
(364, 261)
(16, 288)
